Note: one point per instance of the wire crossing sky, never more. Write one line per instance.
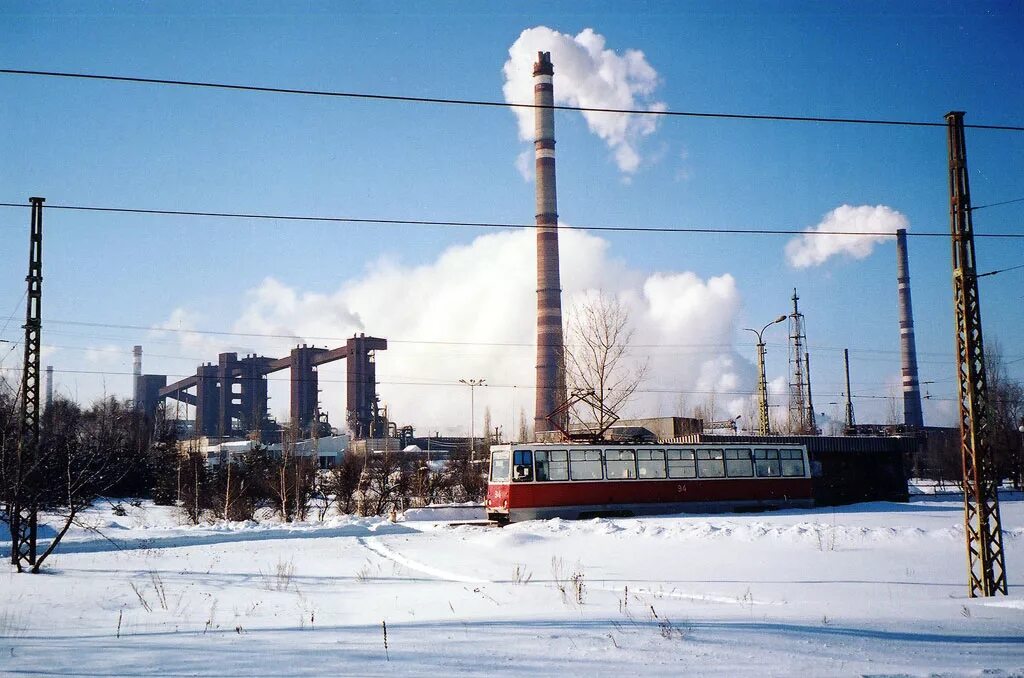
(471, 102)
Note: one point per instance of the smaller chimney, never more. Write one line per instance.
(912, 415)
(137, 376)
(49, 385)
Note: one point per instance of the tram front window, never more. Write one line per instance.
(522, 466)
(499, 467)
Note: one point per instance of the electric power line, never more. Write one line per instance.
(439, 342)
(1001, 270)
(671, 391)
(491, 224)
(486, 103)
(996, 204)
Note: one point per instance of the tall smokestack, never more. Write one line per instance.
(550, 361)
(912, 415)
(137, 376)
(49, 385)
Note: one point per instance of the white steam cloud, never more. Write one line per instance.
(471, 315)
(862, 222)
(587, 74)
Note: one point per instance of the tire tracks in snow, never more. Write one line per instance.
(374, 545)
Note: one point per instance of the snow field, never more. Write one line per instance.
(872, 589)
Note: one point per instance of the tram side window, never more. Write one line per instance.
(499, 467)
(737, 464)
(552, 464)
(681, 464)
(650, 463)
(620, 464)
(767, 462)
(522, 466)
(791, 462)
(710, 464)
(585, 464)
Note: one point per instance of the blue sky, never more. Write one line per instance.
(114, 144)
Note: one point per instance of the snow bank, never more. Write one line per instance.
(446, 513)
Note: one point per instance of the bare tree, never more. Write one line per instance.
(524, 428)
(488, 437)
(80, 456)
(596, 358)
(342, 481)
(469, 480)
(385, 483)
(433, 487)
(1005, 414)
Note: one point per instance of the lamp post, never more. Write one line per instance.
(1020, 456)
(762, 384)
(472, 384)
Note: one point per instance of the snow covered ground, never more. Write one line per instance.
(872, 589)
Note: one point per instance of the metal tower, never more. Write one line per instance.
(851, 422)
(812, 419)
(986, 566)
(25, 510)
(798, 387)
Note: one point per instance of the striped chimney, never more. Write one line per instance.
(912, 415)
(550, 363)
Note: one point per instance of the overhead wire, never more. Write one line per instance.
(444, 342)
(493, 224)
(457, 384)
(1000, 270)
(490, 103)
(996, 204)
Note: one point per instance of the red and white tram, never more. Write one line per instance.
(548, 480)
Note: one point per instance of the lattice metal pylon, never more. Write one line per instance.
(986, 565)
(798, 382)
(25, 510)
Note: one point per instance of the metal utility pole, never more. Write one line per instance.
(986, 566)
(762, 381)
(798, 386)
(25, 509)
(850, 421)
(472, 384)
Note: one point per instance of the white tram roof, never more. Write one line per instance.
(714, 444)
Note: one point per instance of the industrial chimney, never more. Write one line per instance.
(550, 359)
(912, 416)
(49, 385)
(137, 376)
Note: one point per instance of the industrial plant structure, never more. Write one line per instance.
(230, 397)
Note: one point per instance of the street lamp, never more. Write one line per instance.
(472, 384)
(1020, 456)
(762, 384)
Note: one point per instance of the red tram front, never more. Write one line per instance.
(549, 480)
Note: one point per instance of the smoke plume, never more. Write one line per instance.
(590, 75)
(470, 315)
(863, 222)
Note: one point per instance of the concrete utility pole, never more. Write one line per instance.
(472, 384)
(762, 382)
